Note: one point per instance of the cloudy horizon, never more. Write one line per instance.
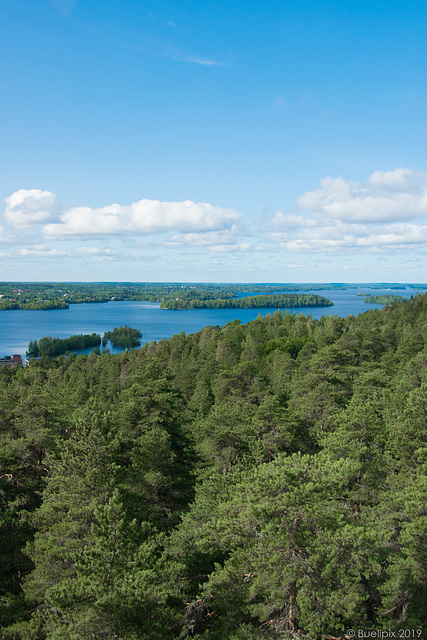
(384, 215)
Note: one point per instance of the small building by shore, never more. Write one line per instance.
(11, 361)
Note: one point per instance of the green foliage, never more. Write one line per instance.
(250, 302)
(55, 346)
(124, 337)
(386, 299)
(265, 480)
(32, 305)
(33, 350)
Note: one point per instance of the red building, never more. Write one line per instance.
(10, 361)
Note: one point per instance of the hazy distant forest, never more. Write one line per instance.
(258, 481)
(43, 296)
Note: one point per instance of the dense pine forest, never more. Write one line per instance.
(258, 481)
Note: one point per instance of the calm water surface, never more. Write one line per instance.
(17, 328)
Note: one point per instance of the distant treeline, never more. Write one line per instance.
(35, 305)
(281, 300)
(387, 299)
(54, 295)
(55, 346)
(124, 337)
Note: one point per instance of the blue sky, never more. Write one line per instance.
(213, 141)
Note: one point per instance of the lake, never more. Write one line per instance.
(17, 328)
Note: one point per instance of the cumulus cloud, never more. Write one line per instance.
(388, 211)
(30, 206)
(140, 218)
(387, 196)
(398, 180)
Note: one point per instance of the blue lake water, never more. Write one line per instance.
(17, 328)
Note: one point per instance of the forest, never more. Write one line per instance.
(53, 295)
(33, 304)
(266, 301)
(45, 295)
(258, 481)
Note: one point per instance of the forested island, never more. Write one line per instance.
(258, 481)
(124, 337)
(386, 299)
(52, 347)
(252, 302)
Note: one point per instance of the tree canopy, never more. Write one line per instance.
(124, 337)
(263, 481)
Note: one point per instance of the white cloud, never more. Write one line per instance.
(226, 248)
(378, 215)
(342, 237)
(387, 196)
(399, 179)
(40, 253)
(30, 206)
(142, 217)
(43, 251)
(204, 239)
(291, 220)
(90, 251)
(386, 213)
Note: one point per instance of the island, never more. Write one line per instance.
(270, 301)
(124, 337)
(386, 299)
(52, 347)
